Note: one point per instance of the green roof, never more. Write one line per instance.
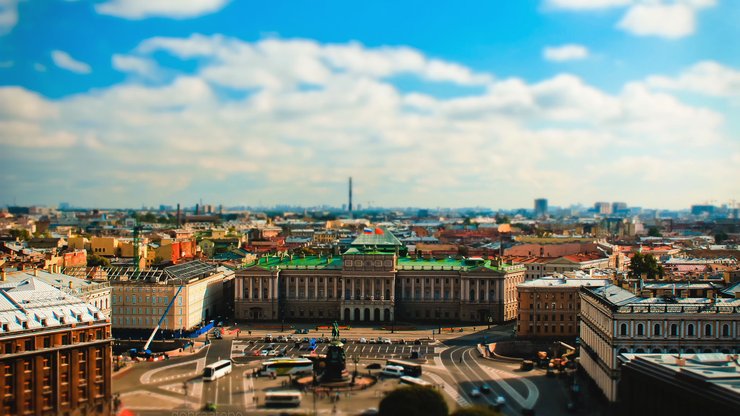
(380, 241)
(403, 263)
(297, 262)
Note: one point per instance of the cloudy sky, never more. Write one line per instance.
(119, 103)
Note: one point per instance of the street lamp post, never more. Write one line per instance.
(355, 359)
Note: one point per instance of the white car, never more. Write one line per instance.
(363, 341)
(392, 371)
(273, 353)
(475, 393)
(387, 341)
(500, 400)
(264, 353)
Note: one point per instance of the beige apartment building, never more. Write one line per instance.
(140, 299)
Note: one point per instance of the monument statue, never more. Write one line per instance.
(335, 369)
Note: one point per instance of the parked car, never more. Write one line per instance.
(280, 338)
(527, 365)
(268, 338)
(417, 342)
(415, 355)
(264, 353)
(273, 353)
(402, 341)
(387, 341)
(343, 340)
(485, 389)
(297, 331)
(305, 339)
(475, 393)
(373, 366)
(362, 341)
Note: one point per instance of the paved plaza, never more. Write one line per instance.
(452, 365)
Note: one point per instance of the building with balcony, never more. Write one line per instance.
(615, 322)
(55, 352)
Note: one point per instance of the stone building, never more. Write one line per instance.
(614, 322)
(375, 281)
(55, 352)
(550, 307)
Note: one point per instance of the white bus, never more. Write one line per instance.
(415, 381)
(285, 366)
(283, 398)
(216, 370)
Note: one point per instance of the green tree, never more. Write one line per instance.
(720, 237)
(95, 260)
(475, 411)
(20, 234)
(645, 264)
(654, 232)
(413, 401)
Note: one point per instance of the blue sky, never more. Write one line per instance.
(485, 103)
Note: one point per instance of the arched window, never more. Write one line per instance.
(623, 329)
(674, 330)
(708, 330)
(690, 330)
(656, 329)
(640, 329)
(725, 330)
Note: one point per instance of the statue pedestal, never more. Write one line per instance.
(335, 369)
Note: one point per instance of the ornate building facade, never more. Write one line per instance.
(374, 281)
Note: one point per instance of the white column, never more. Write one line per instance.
(305, 295)
(316, 287)
(477, 290)
(413, 288)
(251, 292)
(423, 295)
(259, 296)
(488, 291)
(403, 288)
(352, 288)
(326, 287)
(372, 289)
(362, 289)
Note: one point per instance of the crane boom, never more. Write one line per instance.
(164, 315)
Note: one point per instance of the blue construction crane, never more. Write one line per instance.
(164, 315)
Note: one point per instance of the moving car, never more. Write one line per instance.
(475, 393)
(392, 371)
(485, 389)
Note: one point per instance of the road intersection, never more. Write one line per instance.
(456, 369)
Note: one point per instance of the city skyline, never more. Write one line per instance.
(457, 106)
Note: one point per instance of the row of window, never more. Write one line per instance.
(674, 330)
(146, 311)
(141, 322)
(164, 300)
(49, 341)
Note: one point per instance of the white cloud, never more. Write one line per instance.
(707, 77)
(175, 9)
(586, 4)
(275, 63)
(136, 65)
(306, 115)
(663, 20)
(670, 19)
(65, 61)
(565, 52)
(8, 15)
